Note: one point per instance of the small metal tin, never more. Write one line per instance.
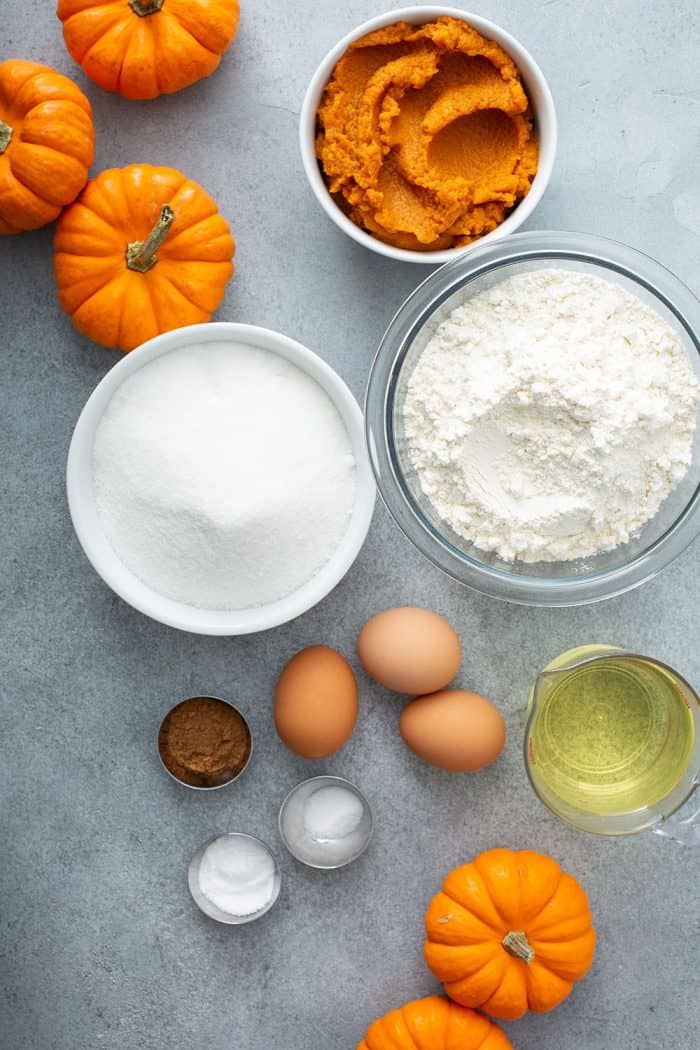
(366, 826)
(208, 907)
(205, 787)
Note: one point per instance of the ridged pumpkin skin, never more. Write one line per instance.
(434, 1024)
(145, 48)
(121, 286)
(510, 932)
(47, 141)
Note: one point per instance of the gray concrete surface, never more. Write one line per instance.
(100, 944)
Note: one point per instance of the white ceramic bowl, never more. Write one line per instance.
(83, 509)
(538, 92)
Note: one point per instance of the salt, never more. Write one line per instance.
(332, 813)
(237, 874)
(224, 476)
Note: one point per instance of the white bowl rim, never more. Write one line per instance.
(535, 83)
(121, 580)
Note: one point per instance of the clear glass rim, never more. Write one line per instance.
(379, 399)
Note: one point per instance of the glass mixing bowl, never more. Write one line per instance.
(578, 582)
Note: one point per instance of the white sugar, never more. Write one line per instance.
(224, 476)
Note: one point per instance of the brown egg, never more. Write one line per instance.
(454, 730)
(410, 650)
(315, 705)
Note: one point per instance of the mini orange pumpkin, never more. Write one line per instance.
(434, 1024)
(509, 932)
(145, 48)
(143, 250)
(47, 142)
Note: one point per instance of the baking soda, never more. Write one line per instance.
(332, 813)
(325, 824)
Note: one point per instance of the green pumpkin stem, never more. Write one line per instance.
(141, 255)
(5, 135)
(517, 944)
(142, 8)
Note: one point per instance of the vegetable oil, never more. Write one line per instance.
(612, 732)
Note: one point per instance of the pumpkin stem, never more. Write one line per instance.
(145, 7)
(517, 944)
(141, 255)
(5, 135)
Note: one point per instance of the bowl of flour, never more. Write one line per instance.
(218, 480)
(532, 414)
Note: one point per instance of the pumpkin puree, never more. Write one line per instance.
(425, 134)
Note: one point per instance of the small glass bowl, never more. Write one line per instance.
(220, 782)
(207, 906)
(577, 582)
(308, 850)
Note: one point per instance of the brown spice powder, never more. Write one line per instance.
(204, 742)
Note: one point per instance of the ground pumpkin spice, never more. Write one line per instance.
(204, 742)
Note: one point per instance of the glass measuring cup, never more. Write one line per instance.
(612, 743)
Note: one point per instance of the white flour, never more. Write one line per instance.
(550, 416)
(224, 476)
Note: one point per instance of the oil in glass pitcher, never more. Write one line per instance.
(611, 739)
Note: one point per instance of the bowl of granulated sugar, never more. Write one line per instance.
(218, 480)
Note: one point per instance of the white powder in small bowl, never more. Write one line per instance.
(325, 822)
(224, 476)
(237, 874)
(332, 813)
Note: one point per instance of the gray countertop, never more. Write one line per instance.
(101, 945)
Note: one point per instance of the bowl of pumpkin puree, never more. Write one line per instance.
(427, 130)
